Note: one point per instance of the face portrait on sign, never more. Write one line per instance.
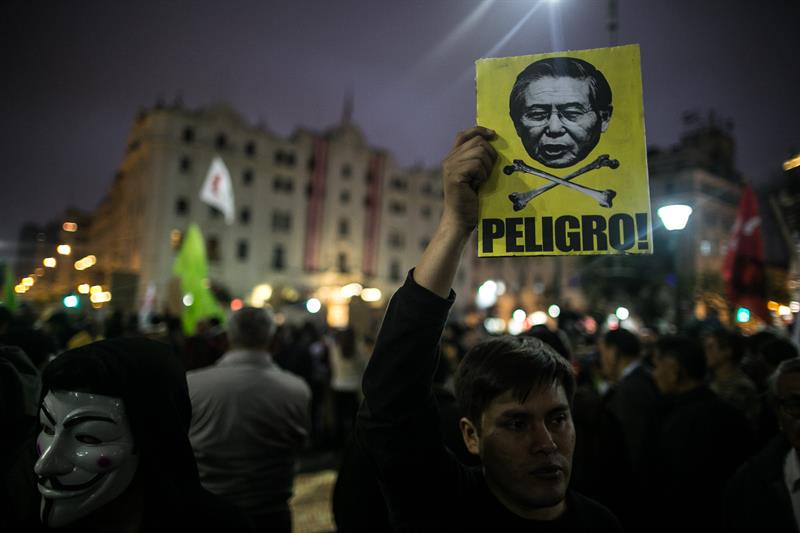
(560, 108)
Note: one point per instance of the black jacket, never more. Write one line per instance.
(756, 498)
(425, 487)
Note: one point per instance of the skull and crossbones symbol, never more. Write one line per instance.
(520, 199)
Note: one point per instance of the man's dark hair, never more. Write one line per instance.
(251, 327)
(550, 338)
(777, 350)
(687, 352)
(729, 340)
(626, 342)
(516, 364)
(561, 67)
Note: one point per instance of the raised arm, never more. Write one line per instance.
(468, 164)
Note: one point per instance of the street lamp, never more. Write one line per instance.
(674, 217)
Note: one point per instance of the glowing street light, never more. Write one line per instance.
(64, 249)
(622, 313)
(554, 311)
(83, 288)
(674, 217)
(28, 282)
(49, 262)
(69, 226)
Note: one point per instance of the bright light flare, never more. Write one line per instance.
(188, 299)
(371, 294)
(351, 289)
(28, 282)
(260, 295)
(50, 262)
(69, 226)
(313, 305)
(64, 249)
(83, 288)
(622, 313)
(537, 318)
(554, 311)
(674, 217)
(100, 297)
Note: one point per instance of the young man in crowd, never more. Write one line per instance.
(514, 392)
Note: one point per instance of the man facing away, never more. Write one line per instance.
(515, 394)
(249, 419)
(764, 495)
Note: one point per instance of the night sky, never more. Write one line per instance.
(75, 74)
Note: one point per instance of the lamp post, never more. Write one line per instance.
(674, 217)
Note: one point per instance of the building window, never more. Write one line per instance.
(185, 164)
(247, 176)
(426, 188)
(367, 200)
(425, 211)
(283, 157)
(278, 258)
(398, 184)
(244, 216)
(394, 271)
(344, 197)
(241, 250)
(341, 263)
(347, 170)
(250, 149)
(181, 206)
(396, 240)
(397, 208)
(212, 249)
(188, 134)
(283, 184)
(344, 227)
(221, 142)
(281, 221)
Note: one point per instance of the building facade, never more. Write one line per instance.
(314, 212)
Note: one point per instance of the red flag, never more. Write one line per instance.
(743, 269)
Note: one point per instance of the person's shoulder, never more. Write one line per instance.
(590, 512)
(287, 382)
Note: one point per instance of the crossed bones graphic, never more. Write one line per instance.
(521, 199)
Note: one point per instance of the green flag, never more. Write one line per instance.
(9, 298)
(191, 267)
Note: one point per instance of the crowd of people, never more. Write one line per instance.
(439, 426)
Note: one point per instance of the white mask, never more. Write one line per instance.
(86, 454)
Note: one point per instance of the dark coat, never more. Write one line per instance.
(698, 446)
(756, 498)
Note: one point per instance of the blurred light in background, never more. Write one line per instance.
(236, 304)
(352, 289)
(622, 313)
(537, 318)
(69, 226)
(494, 325)
(371, 294)
(49, 262)
(487, 294)
(313, 305)
(743, 314)
(188, 299)
(554, 311)
(70, 301)
(64, 249)
(83, 288)
(674, 217)
(260, 295)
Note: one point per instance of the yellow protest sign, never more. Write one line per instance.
(571, 172)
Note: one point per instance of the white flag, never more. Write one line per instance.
(217, 190)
